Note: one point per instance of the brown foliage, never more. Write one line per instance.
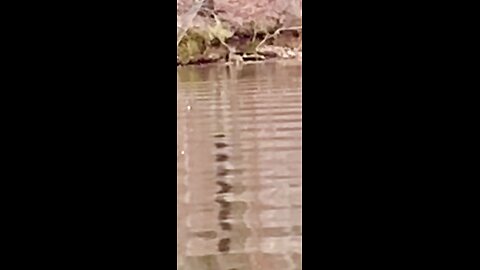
(265, 13)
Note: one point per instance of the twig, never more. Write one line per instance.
(268, 36)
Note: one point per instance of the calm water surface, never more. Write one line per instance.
(239, 167)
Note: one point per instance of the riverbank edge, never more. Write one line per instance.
(202, 46)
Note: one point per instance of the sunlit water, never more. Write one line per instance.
(239, 167)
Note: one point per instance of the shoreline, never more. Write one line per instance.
(274, 61)
(199, 46)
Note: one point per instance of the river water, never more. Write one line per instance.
(239, 167)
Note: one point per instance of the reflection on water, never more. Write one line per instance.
(239, 167)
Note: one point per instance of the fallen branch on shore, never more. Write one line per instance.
(276, 33)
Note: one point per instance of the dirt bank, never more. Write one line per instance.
(237, 30)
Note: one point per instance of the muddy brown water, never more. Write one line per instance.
(239, 167)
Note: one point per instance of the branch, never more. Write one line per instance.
(187, 19)
(269, 36)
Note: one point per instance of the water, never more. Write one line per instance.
(239, 167)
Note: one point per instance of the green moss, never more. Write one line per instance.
(203, 45)
(220, 32)
(192, 46)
